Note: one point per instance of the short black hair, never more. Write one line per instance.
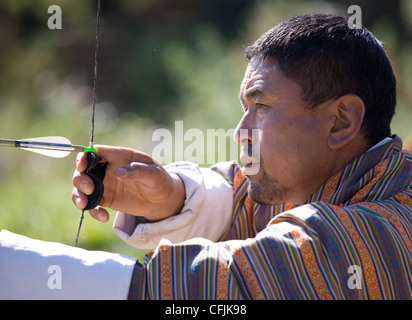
(328, 59)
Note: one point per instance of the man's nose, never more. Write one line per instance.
(243, 131)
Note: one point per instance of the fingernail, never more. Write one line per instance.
(84, 187)
(77, 202)
(122, 172)
(102, 217)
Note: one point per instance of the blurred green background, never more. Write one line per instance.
(159, 62)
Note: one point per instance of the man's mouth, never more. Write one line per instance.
(250, 166)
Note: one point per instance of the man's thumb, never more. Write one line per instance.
(133, 168)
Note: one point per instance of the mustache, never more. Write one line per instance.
(249, 140)
(248, 151)
(251, 150)
(251, 159)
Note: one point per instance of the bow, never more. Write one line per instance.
(60, 147)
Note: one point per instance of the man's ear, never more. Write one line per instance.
(349, 111)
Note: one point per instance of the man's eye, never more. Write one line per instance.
(260, 106)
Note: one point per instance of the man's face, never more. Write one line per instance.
(293, 160)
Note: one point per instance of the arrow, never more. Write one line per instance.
(56, 147)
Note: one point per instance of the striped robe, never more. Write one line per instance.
(351, 240)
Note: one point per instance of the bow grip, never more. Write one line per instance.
(96, 170)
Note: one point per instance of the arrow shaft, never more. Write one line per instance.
(44, 145)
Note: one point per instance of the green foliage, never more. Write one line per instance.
(159, 62)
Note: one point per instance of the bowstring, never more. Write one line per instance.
(96, 55)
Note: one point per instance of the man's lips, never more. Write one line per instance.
(246, 160)
(250, 166)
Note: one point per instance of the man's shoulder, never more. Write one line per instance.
(230, 170)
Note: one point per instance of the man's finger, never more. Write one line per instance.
(83, 182)
(100, 214)
(121, 154)
(79, 199)
(81, 162)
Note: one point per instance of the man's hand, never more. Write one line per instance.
(134, 183)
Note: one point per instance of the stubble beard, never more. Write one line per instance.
(266, 190)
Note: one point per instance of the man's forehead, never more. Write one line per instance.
(264, 78)
(260, 68)
(259, 73)
(254, 91)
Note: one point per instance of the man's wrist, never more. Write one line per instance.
(175, 203)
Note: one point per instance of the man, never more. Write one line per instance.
(326, 216)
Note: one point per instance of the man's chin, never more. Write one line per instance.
(261, 196)
(262, 188)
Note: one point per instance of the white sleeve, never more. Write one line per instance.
(207, 212)
(35, 269)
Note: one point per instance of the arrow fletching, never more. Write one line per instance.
(46, 151)
(56, 147)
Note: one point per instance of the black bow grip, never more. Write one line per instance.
(96, 170)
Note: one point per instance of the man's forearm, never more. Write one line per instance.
(207, 211)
